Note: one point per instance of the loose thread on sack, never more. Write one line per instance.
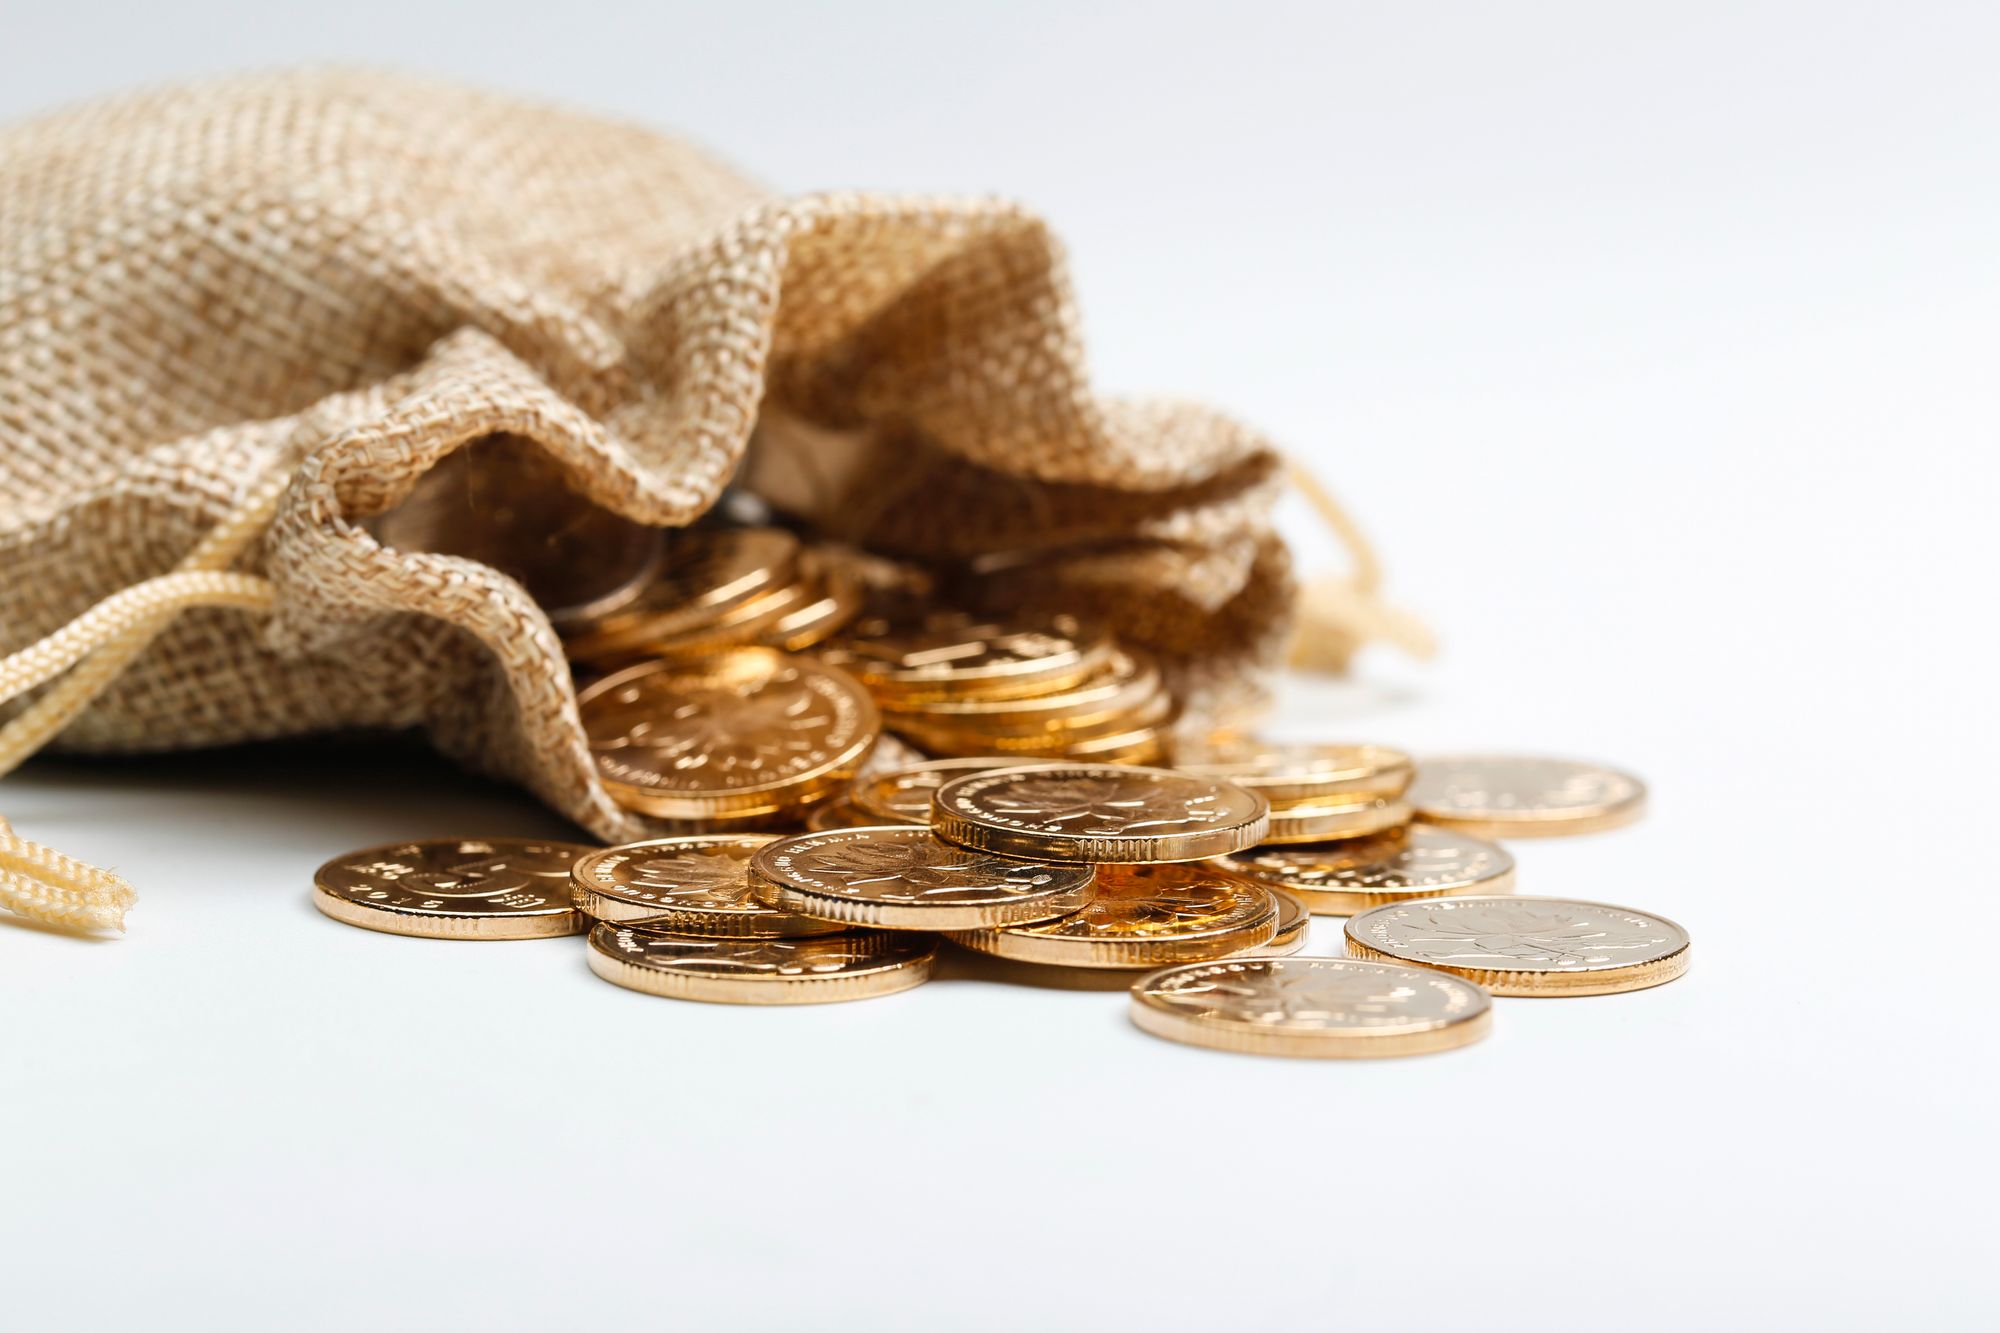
(94, 649)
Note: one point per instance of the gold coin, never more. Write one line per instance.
(1294, 921)
(1124, 689)
(1507, 796)
(901, 878)
(1342, 878)
(454, 888)
(745, 623)
(1526, 946)
(840, 813)
(847, 965)
(1302, 774)
(1330, 823)
(950, 654)
(1144, 916)
(1326, 1007)
(1137, 739)
(837, 598)
(744, 733)
(708, 572)
(1098, 812)
(688, 886)
(904, 796)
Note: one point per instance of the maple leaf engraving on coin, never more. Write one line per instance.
(1163, 909)
(712, 879)
(913, 871)
(1102, 805)
(1346, 999)
(1559, 938)
(484, 877)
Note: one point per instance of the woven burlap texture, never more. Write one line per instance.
(327, 281)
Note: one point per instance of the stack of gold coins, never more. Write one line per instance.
(1318, 793)
(952, 683)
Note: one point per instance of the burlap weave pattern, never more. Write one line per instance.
(343, 277)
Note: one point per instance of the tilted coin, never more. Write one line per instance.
(951, 654)
(903, 796)
(1098, 813)
(745, 732)
(689, 886)
(1342, 878)
(1135, 740)
(1526, 946)
(836, 599)
(454, 888)
(1325, 1007)
(1122, 690)
(1330, 823)
(849, 965)
(1512, 796)
(1294, 922)
(1144, 916)
(708, 572)
(902, 878)
(1292, 774)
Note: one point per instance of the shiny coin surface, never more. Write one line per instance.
(1144, 916)
(1125, 689)
(1294, 922)
(1526, 946)
(836, 599)
(903, 796)
(1325, 1007)
(850, 965)
(1330, 823)
(688, 886)
(707, 575)
(454, 888)
(951, 654)
(1342, 878)
(1511, 796)
(741, 733)
(840, 813)
(1098, 813)
(902, 878)
(1291, 774)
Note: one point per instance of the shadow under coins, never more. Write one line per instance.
(956, 964)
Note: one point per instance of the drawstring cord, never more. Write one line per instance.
(1336, 614)
(35, 881)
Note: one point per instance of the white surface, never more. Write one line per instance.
(1655, 347)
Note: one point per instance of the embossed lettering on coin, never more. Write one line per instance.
(1527, 946)
(1099, 812)
(902, 877)
(688, 885)
(473, 888)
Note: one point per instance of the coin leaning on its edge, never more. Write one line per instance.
(1338, 1008)
(1098, 813)
(454, 888)
(697, 885)
(1526, 946)
(849, 965)
(900, 877)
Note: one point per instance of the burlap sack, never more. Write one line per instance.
(239, 317)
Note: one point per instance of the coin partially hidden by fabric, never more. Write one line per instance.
(1342, 878)
(707, 575)
(688, 885)
(1144, 916)
(900, 877)
(1338, 1008)
(1518, 796)
(745, 733)
(850, 965)
(1526, 946)
(1098, 813)
(454, 888)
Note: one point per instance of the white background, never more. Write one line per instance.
(1655, 346)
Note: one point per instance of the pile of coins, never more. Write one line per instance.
(1090, 870)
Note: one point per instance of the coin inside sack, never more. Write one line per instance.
(1144, 916)
(454, 888)
(1289, 774)
(1331, 823)
(1098, 813)
(1294, 923)
(903, 795)
(901, 877)
(1526, 946)
(953, 654)
(689, 885)
(1341, 878)
(1317, 1007)
(743, 734)
(849, 965)
(707, 575)
(1517, 796)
